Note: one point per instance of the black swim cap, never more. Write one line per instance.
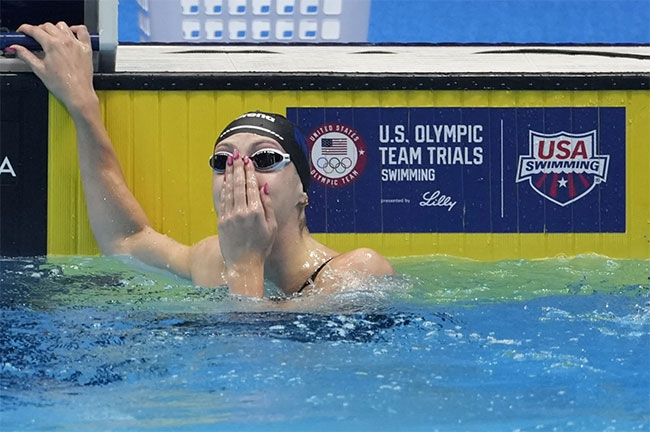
(280, 129)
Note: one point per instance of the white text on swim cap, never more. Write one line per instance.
(258, 115)
(257, 128)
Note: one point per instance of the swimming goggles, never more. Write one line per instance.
(264, 160)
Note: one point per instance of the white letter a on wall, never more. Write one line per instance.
(6, 168)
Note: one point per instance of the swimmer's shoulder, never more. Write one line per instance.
(206, 263)
(364, 260)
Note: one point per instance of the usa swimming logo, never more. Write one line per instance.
(563, 167)
(338, 154)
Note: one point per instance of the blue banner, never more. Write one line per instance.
(465, 170)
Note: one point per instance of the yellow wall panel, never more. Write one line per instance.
(280, 100)
(164, 138)
(638, 169)
(147, 154)
(63, 182)
(202, 133)
(174, 129)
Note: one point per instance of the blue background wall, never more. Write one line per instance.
(489, 21)
(551, 21)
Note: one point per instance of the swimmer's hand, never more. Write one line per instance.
(67, 67)
(247, 227)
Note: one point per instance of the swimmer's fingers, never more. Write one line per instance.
(50, 29)
(226, 203)
(82, 34)
(60, 35)
(239, 183)
(34, 63)
(269, 213)
(63, 28)
(252, 192)
(222, 200)
(38, 33)
(40, 36)
(258, 197)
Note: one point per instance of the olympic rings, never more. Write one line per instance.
(321, 162)
(329, 165)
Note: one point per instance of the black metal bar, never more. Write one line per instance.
(13, 38)
(337, 81)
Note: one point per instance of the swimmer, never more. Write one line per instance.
(259, 186)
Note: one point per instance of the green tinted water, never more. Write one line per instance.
(438, 280)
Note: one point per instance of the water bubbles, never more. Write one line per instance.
(300, 325)
(424, 351)
(491, 340)
(7, 367)
(453, 334)
(390, 387)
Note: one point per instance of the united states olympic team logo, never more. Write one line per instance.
(562, 167)
(338, 154)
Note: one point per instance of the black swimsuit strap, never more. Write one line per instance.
(313, 276)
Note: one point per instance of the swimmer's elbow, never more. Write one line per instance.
(110, 246)
(127, 245)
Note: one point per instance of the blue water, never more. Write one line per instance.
(564, 344)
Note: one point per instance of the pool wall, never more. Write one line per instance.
(164, 130)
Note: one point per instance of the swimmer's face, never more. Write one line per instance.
(285, 187)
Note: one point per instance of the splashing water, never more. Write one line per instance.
(449, 344)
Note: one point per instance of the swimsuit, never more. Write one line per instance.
(313, 276)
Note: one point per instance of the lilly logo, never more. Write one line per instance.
(562, 167)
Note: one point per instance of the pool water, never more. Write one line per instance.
(449, 344)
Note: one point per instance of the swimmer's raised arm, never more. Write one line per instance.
(118, 221)
(260, 188)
